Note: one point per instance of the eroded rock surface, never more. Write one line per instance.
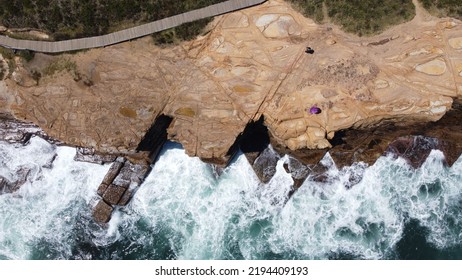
(118, 186)
(251, 64)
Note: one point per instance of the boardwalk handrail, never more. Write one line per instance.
(130, 33)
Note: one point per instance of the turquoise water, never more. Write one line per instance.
(183, 211)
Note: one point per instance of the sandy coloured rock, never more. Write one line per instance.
(456, 43)
(252, 63)
(435, 67)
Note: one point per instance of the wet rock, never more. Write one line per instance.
(449, 131)
(414, 149)
(125, 198)
(216, 170)
(4, 185)
(121, 182)
(113, 194)
(367, 145)
(21, 176)
(306, 156)
(131, 173)
(102, 212)
(113, 171)
(320, 172)
(265, 164)
(91, 156)
(102, 189)
(14, 131)
(355, 174)
(297, 170)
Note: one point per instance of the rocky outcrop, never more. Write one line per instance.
(252, 64)
(14, 131)
(92, 156)
(413, 142)
(414, 149)
(21, 175)
(102, 212)
(118, 186)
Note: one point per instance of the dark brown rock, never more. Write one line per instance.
(297, 170)
(305, 156)
(113, 171)
(414, 149)
(113, 194)
(265, 164)
(102, 212)
(368, 144)
(365, 145)
(125, 198)
(102, 189)
(131, 173)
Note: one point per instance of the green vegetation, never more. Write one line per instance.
(8, 55)
(59, 65)
(177, 34)
(450, 8)
(26, 55)
(363, 17)
(310, 8)
(66, 19)
(2, 71)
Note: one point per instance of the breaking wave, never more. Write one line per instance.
(184, 211)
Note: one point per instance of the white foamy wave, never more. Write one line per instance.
(35, 156)
(206, 216)
(184, 208)
(46, 208)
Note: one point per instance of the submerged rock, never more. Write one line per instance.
(113, 194)
(102, 212)
(118, 187)
(297, 170)
(414, 149)
(265, 164)
(113, 171)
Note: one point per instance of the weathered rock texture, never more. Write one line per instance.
(118, 186)
(251, 64)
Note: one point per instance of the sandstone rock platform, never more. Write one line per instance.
(251, 64)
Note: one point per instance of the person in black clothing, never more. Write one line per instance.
(309, 50)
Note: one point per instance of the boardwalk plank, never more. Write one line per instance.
(130, 33)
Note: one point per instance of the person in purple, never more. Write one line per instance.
(314, 110)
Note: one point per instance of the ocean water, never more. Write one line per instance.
(182, 211)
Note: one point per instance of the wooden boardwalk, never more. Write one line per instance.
(130, 33)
